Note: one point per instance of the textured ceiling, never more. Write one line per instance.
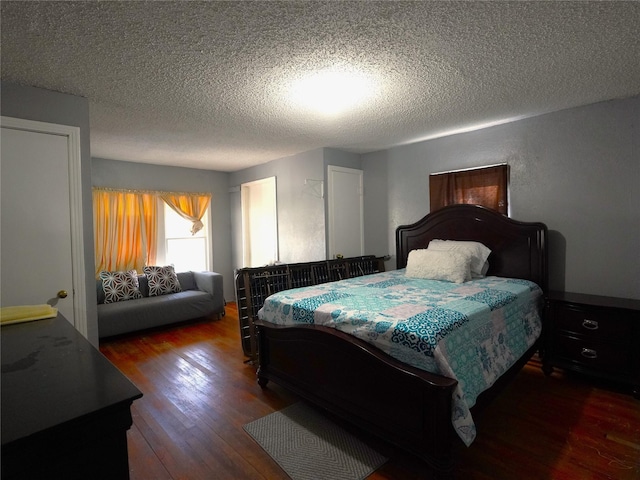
(204, 84)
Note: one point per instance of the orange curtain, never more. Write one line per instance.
(189, 206)
(125, 230)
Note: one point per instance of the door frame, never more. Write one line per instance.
(75, 207)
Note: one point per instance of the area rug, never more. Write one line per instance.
(308, 446)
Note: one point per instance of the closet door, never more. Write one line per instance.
(37, 226)
(346, 212)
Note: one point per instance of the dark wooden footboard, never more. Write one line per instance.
(358, 382)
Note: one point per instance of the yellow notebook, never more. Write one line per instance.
(26, 313)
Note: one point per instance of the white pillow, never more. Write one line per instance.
(435, 265)
(476, 251)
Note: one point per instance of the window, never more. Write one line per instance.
(137, 228)
(177, 246)
(486, 186)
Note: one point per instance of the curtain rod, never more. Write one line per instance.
(151, 192)
(468, 169)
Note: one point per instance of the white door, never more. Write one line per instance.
(37, 226)
(346, 212)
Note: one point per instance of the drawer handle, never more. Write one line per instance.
(589, 353)
(590, 324)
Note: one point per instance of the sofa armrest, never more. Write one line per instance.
(210, 282)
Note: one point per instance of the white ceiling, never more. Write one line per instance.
(203, 84)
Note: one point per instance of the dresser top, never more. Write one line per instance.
(52, 375)
(595, 300)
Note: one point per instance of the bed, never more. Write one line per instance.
(373, 389)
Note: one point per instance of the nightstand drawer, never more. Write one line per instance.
(594, 335)
(603, 324)
(603, 357)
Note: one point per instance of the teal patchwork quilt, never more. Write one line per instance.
(472, 332)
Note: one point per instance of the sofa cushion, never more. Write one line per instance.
(187, 281)
(150, 312)
(162, 280)
(120, 286)
(99, 291)
(143, 285)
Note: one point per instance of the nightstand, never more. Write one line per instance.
(594, 335)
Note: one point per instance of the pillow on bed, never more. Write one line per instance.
(450, 266)
(477, 252)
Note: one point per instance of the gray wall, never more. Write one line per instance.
(46, 106)
(379, 236)
(301, 211)
(576, 170)
(129, 175)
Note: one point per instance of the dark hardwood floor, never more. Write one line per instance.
(198, 393)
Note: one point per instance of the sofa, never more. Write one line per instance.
(201, 296)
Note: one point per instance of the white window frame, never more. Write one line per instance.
(162, 245)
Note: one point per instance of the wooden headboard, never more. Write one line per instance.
(518, 249)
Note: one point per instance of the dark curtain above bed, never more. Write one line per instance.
(485, 186)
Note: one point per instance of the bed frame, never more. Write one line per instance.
(358, 382)
(254, 285)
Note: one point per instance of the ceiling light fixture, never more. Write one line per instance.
(331, 92)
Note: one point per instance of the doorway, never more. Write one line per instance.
(259, 222)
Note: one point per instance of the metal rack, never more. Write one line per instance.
(254, 285)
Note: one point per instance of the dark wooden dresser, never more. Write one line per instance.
(594, 335)
(65, 407)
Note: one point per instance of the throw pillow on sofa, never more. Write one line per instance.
(120, 286)
(162, 280)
